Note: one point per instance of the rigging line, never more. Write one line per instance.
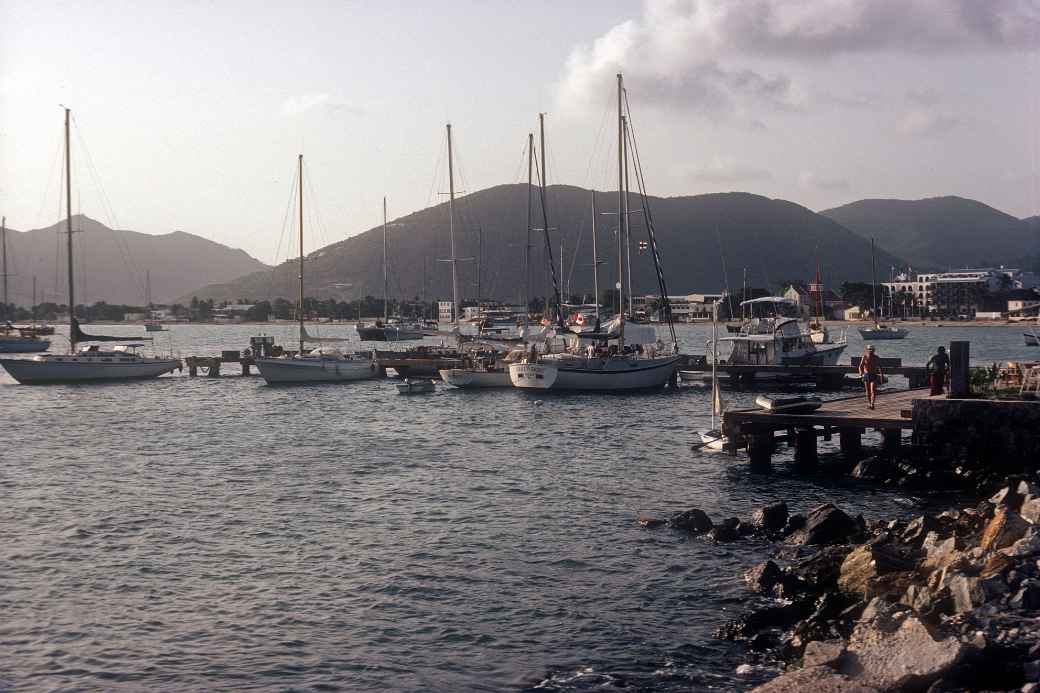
(598, 140)
(281, 237)
(725, 273)
(50, 182)
(120, 238)
(649, 220)
(548, 249)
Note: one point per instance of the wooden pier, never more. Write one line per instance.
(745, 376)
(210, 365)
(849, 417)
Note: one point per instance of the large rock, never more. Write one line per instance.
(1027, 597)
(1003, 530)
(819, 679)
(940, 553)
(966, 593)
(908, 659)
(820, 571)
(918, 528)
(823, 653)
(1007, 497)
(863, 572)
(771, 519)
(1027, 546)
(872, 469)
(727, 530)
(1030, 510)
(694, 520)
(763, 577)
(825, 524)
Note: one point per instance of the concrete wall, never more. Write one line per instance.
(998, 434)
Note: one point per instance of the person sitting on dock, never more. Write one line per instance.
(870, 370)
(938, 367)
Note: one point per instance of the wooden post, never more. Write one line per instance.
(760, 449)
(193, 369)
(805, 446)
(891, 438)
(959, 358)
(245, 368)
(850, 441)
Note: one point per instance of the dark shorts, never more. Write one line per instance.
(870, 378)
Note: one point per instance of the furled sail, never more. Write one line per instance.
(79, 335)
(307, 337)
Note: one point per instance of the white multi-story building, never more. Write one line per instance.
(445, 311)
(952, 293)
(686, 308)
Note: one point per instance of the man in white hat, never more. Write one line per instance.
(870, 371)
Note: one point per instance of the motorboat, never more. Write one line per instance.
(154, 326)
(780, 341)
(20, 343)
(879, 331)
(412, 386)
(482, 368)
(788, 405)
(391, 331)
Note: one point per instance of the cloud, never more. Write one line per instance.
(725, 172)
(298, 105)
(927, 121)
(813, 181)
(700, 53)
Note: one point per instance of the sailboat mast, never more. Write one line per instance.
(714, 359)
(386, 292)
(622, 205)
(68, 231)
(628, 225)
(300, 312)
(148, 288)
(34, 301)
(595, 258)
(3, 244)
(451, 232)
(480, 260)
(544, 181)
(873, 277)
(527, 247)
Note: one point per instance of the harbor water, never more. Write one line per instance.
(220, 534)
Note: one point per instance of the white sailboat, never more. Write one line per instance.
(712, 439)
(91, 364)
(151, 324)
(319, 365)
(624, 356)
(879, 331)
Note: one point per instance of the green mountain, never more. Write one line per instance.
(705, 241)
(941, 232)
(112, 265)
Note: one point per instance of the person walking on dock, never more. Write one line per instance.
(939, 368)
(870, 370)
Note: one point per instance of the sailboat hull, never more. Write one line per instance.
(1032, 338)
(389, 333)
(606, 375)
(282, 371)
(883, 333)
(23, 345)
(82, 370)
(464, 378)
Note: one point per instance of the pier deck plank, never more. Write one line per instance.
(847, 412)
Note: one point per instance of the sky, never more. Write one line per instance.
(189, 115)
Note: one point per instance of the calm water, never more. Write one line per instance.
(189, 534)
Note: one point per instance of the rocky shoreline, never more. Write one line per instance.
(942, 602)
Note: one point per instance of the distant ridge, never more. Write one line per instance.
(942, 232)
(111, 265)
(776, 240)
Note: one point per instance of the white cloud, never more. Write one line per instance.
(700, 53)
(926, 121)
(298, 105)
(724, 171)
(810, 180)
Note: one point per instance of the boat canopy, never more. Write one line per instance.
(635, 333)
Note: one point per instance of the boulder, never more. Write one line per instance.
(1007, 497)
(794, 523)
(770, 519)
(1027, 597)
(939, 552)
(921, 598)
(820, 571)
(727, 530)
(823, 653)
(1030, 510)
(825, 524)
(649, 522)
(966, 593)
(872, 469)
(862, 571)
(818, 679)
(908, 658)
(918, 528)
(695, 520)
(763, 577)
(1027, 546)
(1003, 530)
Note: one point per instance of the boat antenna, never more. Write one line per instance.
(299, 173)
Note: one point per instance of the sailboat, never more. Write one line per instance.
(90, 363)
(623, 356)
(879, 331)
(390, 329)
(317, 366)
(483, 364)
(713, 439)
(14, 340)
(151, 324)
